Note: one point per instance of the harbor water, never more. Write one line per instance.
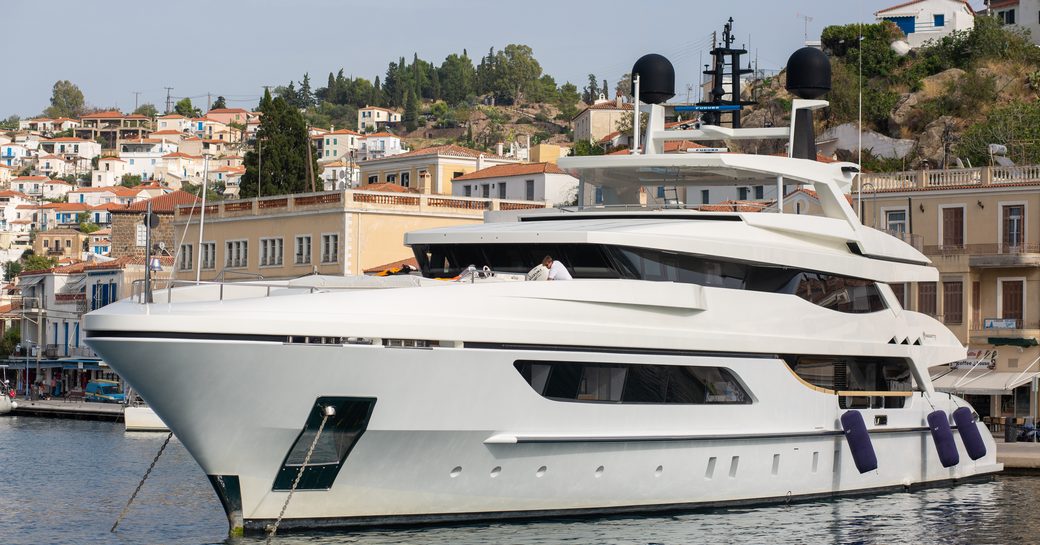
(66, 481)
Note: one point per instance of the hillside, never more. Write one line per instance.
(950, 99)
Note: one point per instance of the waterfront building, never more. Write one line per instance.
(924, 21)
(428, 170)
(375, 118)
(128, 230)
(528, 181)
(979, 228)
(336, 233)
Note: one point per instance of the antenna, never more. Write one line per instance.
(168, 108)
(807, 19)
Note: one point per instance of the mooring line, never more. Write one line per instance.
(299, 474)
(143, 479)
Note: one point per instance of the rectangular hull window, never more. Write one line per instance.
(633, 383)
(341, 433)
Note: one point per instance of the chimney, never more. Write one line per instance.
(498, 149)
(332, 128)
(480, 162)
(618, 99)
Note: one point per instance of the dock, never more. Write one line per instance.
(81, 410)
(1019, 458)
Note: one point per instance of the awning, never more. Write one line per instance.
(29, 281)
(980, 381)
(1024, 342)
(74, 286)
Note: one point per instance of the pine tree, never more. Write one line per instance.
(305, 99)
(282, 141)
(411, 112)
(221, 102)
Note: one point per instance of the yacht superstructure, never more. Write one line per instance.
(697, 359)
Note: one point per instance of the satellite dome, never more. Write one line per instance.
(808, 73)
(656, 78)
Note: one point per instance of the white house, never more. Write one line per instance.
(110, 171)
(97, 196)
(173, 122)
(41, 187)
(379, 145)
(76, 149)
(9, 203)
(55, 166)
(374, 117)
(13, 155)
(143, 156)
(522, 182)
(339, 175)
(926, 20)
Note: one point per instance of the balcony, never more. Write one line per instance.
(1004, 332)
(990, 256)
(883, 182)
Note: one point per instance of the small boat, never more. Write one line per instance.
(142, 418)
(7, 403)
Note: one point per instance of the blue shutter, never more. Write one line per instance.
(940, 20)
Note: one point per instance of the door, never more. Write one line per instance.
(1011, 300)
(953, 227)
(1014, 218)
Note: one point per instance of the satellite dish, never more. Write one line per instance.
(162, 246)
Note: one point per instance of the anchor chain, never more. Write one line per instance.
(143, 479)
(272, 530)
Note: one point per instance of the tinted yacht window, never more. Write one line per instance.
(842, 294)
(633, 383)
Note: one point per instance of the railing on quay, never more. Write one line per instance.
(982, 249)
(359, 199)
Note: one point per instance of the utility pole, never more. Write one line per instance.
(209, 101)
(137, 94)
(310, 170)
(168, 107)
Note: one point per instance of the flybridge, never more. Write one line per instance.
(621, 178)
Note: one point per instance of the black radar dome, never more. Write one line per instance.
(656, 78)
(808, 73)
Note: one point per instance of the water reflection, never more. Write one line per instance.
(66, 481)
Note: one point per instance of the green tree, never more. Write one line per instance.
(1015, 125)
(457, 78)
(591, 91)
(567, 100)
(304, 97)
(130, 180)
(147, 110)
(12, 337)
(185, 108)
(66, 100)
(11, 270)
(411, 112)
(38, 263)
(220, 103)
(10, 123)
(279, 161)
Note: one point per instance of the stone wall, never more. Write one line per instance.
(124, 233)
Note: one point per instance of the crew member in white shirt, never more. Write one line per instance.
(556, 269)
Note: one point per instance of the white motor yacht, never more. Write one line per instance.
(697, 359)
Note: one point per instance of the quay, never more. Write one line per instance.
(79, 410)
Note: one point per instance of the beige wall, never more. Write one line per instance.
(370, 227)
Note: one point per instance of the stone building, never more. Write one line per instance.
(128, 231)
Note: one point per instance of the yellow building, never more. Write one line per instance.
(337, 232)
(429, 170)
(59, 243)
(980, 229)
(599, 120)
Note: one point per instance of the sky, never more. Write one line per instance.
(114, 48)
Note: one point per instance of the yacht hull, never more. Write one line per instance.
(458, 434)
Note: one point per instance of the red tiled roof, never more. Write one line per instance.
(609, 137)
(521, 169)
(165, 132)
(116, 190)
(162, 204)
(172, 116)
(228, 111)
(608, 105)
(181, 154)
(387, 188)
(121, 262)
(31, 179)
(448, 149)
(65, 206)
(381, 135)
(13, 193)
(380, 108)
(111, 159)
(67, 139)
(109, 206)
